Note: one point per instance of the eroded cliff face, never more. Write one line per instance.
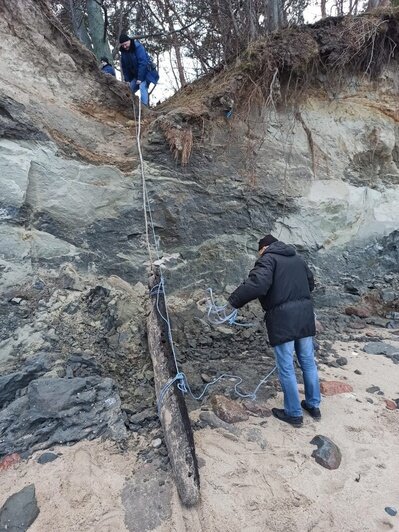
(321, 173)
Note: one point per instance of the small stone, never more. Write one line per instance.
(360, 312)
(391, 511)
(342, 361)
(329, 388)
(357, 325)
(16, 300)
(391, 405)
(206, 378)
(357, 371)
(378, 322)
(20, 510)
(369, 400)
(327, 453)
(156, 443)
(228, 410)
(45, 458)
(373, 389)
(9, 460)
(256, 408)
(212, 420)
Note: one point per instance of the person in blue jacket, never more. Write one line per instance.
(137, 66)
(106, 67)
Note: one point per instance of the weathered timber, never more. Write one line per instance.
(173, 412)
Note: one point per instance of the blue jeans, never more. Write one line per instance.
(143, 90)
(285, 364)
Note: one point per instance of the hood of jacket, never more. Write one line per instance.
(279, 248)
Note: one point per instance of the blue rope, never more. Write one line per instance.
(217, 314)
(184, 386)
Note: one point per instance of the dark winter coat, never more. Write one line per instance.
(136, 64)
(282, 282)
(108, 69)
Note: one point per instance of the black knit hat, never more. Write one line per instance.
(266, 241)
(123, 38)
(104, 60)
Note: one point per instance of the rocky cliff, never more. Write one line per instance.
(310, 153)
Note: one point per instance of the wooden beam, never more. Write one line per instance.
(173, 412)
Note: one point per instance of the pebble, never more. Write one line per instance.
(342, 361)
(228, 410)
(9, 460)
(391, 511)
(156, 443)
(358, 372)
(373, 389)
(45, 458)
(334, 387)
(327, 453)
(391, 405)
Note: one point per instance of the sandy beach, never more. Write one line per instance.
(258, 477)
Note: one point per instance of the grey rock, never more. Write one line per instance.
(341, 361)
(382, 348)
(55, 411)
(19, 511)
(378, 322)
(214, 422)
(12, 383)
(357, 371)
(45, 458)
(327, 453)
(373, 389)
(148, 414)
(156, 443)
(391, 511)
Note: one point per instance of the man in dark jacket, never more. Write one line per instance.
(282, 282)
(106, 67)
(137, 67)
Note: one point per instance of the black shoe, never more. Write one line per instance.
(280, 414)
(314, 412)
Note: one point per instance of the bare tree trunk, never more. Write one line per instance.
(77, 15)
(96, 29)
(323, 8)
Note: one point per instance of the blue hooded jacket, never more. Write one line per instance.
(136, 63)
(108, 69)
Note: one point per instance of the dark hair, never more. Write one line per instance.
(266, 241)
(123, 37)
(105, 60)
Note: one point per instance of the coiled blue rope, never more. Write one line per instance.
(217, 313)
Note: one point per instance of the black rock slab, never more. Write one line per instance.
(327, 453)
(56, 410)
(20, 510)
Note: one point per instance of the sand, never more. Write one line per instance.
(262, 479)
